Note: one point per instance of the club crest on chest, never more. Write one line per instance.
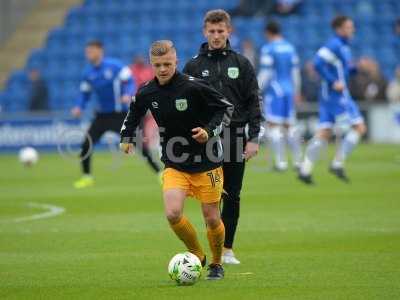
(181, 104)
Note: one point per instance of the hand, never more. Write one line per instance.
(250, 150)
(76, 112)
(200, 135)
(127, 148)
(338, 86)
(126, 99)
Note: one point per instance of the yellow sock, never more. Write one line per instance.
(216, 237)
(186, 232)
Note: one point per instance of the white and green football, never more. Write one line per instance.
(185, 268)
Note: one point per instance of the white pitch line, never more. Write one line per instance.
(244, 273)
(52, 212)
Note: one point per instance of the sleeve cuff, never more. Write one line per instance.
(209, 132)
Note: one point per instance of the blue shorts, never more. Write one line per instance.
(279, 109)
(346, 110)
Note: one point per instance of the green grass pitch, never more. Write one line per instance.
(331, 241)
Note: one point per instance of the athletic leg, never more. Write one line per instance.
(92, 136)
(175, 189)
(233, 171)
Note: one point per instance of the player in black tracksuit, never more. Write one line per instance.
(189, 113)
(232, 75)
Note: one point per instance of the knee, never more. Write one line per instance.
(85, 151)
(232, 190)
(324, 134)
(211, 215)
(86, 144)
(232, 197)
(293, 132)
(231, 207)
(275, 133)
(173, 205)
(361, 129)
(213, 220)
(173, 215)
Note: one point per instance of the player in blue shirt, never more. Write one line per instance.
(334, 64)
(113, 85)
(279, 81)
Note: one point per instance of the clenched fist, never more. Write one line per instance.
(200, 135)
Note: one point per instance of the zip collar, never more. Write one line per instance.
(175, 79)
(204, 50)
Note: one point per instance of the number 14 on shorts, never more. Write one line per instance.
(215, 178)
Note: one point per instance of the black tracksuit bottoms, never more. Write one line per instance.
(234, 140)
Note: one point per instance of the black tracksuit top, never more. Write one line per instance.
(232, 75)
(179, 106)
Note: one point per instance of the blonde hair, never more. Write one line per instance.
(216, 16)
(161, 47)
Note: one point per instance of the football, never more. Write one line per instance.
(28, 156)
(185, 268)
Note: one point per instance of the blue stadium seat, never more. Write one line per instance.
(18, 77)
(75, 15)
(127, 27)
(37, 59)
(17, 97)
(4, 101)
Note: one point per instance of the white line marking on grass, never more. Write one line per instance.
(244, 273)
(53, 211)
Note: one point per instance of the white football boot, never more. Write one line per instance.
(228, 257)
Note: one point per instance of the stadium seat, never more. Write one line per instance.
(37, 59)
(127, 27)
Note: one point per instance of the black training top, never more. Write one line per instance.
(232, 75)
(179, 106)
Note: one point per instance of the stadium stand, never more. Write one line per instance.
(128, 26)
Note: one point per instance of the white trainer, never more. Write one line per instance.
(229, 258)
